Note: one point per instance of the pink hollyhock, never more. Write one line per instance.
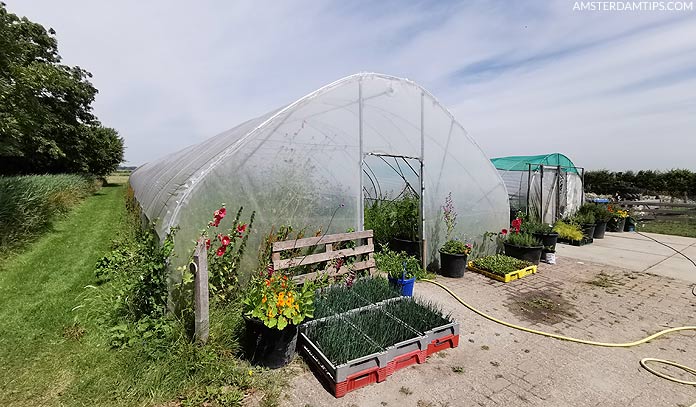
(225, 240)
(504, 232)
(241, 228)
(221, 250)
(517, 224)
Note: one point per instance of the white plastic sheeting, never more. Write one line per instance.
(301, 165)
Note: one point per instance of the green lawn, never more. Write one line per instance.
(44, 357)
(54, 341)
(683, 227)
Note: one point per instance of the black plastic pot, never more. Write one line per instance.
(269, 347)
(411, 247)
(629, 225)
(600, 228)
(531, 254)
(548, 240)
(588, 230)
(616, 225)
(452, 265)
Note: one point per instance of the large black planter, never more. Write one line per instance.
(588, 230)
(616, 225)
(548, 240)
(600, 228)
(452, 265)
(629, 225)
(269, 347)
(531, 254)
(412, 248)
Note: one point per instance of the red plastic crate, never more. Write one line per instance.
(446, 342)
(406, 360)
(358, 380)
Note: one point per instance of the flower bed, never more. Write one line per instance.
(502, 268)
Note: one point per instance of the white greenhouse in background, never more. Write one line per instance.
(547, 186)
(303, 165)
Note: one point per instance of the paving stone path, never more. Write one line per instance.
(498, 366)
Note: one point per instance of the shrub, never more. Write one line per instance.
(536, 227)
(29, 204)
(522, 239)
(568, 231)
(500, 264)
(583, 218)
(456, 247)
(602, 213)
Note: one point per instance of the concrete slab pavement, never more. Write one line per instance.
(634, 252)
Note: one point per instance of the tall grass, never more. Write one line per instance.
(30, 203)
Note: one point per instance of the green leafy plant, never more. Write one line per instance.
(418, 314)
(567, 230)
(585, 215)
(500, 264)
(332, 337)
(536, 227)
(336, 299)
(375, 289)
(393, 264)
(380, 327)
(449, 216)
(456, 247)
(522, 240)
(393, 218)
(601, 213)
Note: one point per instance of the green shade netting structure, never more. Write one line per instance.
(521, 162)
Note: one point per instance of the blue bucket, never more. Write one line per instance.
(405, 285)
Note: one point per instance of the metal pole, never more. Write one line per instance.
(361, 197)
(421, 208)
(582, 195)
(529, 184)
(541, 193)
(558, 190)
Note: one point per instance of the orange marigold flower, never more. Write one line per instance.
(264, 299)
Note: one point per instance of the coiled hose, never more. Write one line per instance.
(643, 362)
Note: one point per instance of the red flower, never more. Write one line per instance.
(241, 228)
(221, 250)
(225, 240)
(215, 222)
(504, 232)
(517, 224)
(217, 216)
(207, 244)
(270, 270)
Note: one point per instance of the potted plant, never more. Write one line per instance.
(502, 268)
(618, 219)
(273, 308)
(403, 218)
(602, 216)
(453, 256)
(401, 269)
(586, 220)
(568, 232)
(544, 233)
(521, 245)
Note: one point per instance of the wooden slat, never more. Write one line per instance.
(361, 265)
(313, 241)
(319, 257)
(648, 203)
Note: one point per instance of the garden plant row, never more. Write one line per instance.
(352, 348)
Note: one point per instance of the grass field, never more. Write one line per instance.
(683, 227)
(54, 341)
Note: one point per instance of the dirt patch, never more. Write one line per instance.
(541, 306)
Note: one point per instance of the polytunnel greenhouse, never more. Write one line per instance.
(305, 165)
(547, 186)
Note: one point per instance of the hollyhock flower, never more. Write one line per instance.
(216, 222)
(270, 269)
(516, 224)
(241, 228)
(221, 250)
(504, 232)
(225, 240)
(207, 244)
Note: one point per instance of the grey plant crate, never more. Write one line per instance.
(340, 373)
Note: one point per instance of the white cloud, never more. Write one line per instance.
(605, 88)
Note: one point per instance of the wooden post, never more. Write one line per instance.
(199, 268)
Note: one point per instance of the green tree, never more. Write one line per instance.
(46, 119)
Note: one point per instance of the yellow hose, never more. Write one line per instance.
(643, 362)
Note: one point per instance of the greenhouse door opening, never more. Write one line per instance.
(392, 191)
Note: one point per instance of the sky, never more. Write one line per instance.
(610, 89)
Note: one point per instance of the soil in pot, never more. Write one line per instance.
(531, 254)
(452, 265)
(412, 248)
(600, 228)
(269, 347)
(548, 240)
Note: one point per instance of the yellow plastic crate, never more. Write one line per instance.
(517, 274)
